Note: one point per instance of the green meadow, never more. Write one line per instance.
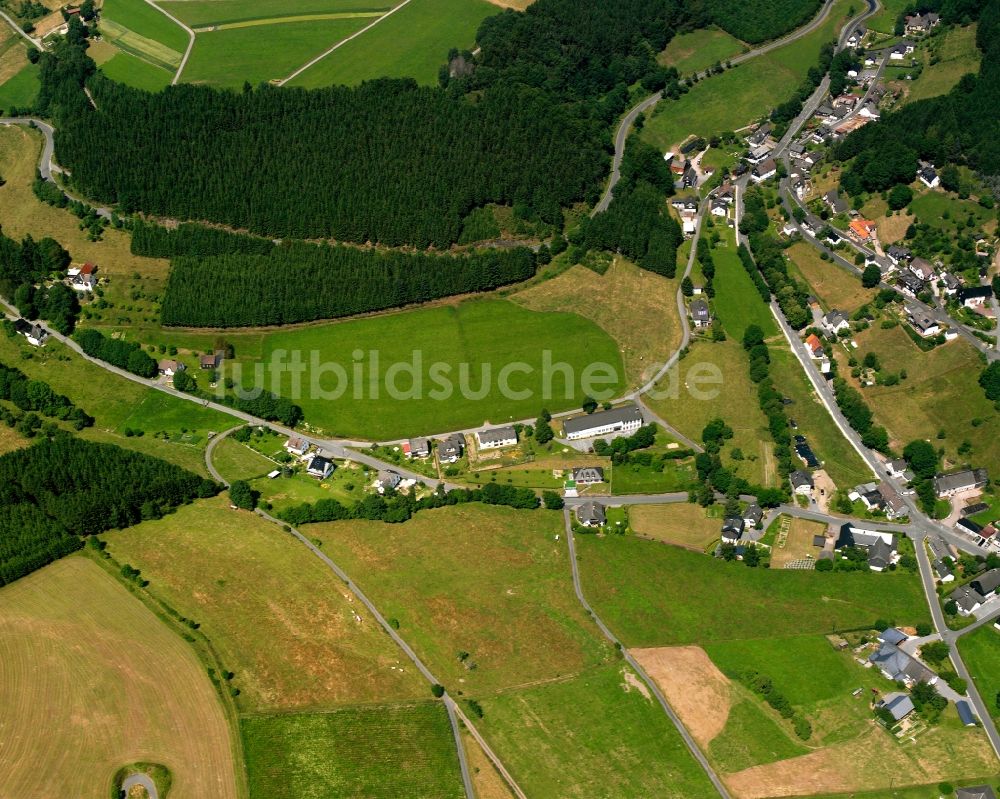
(20, 90)
(142, 18)
(980, 650)
(699, 49)
(202, 13)
(737, 302)
(133, 71)
(375, 751)
(652, 594)
(468, 345)
(265, 52)
(413, 43)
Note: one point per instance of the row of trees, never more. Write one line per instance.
(62, 488)
(37, 396)
(859, 416)
(298, 282)
(127, 355)
(769, 398)
(396, 508)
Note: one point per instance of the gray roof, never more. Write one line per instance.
(591, 512)
(624, 414)
(801, 478)
(453, 445)
(941, 569)
(733, 524)
(967, 478)
(975, 792)
(754, 512)
(589, 474)
(967, 598)
(892, 636)
(965, 712)
(899, 704)
(419, 445)
(496, 434)
(880, 554)
(388, 479)
(987, 583)
(699, 310)
(835, 318)
(319, 464)
(898, 665)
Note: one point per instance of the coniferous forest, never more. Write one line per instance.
(63, 488)
(300, 282)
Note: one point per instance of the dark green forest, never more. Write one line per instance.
(755, 21)
(961, 127)
(299, 282)
(37, 396)
(63, 488)
(27, 263)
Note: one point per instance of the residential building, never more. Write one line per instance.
(210, 361)
(450, 450)
(920, 23)
(760, 134)
(897, 254)
(987, 582)
(83, 278)
(170, 367)
(898, 666)
(947, 485)
(814, 345)
(892, 502)
(861, 229)
(944, 571)
(909, 284)
(835, 321)
(626, 419)
(387, 481)
(496, 438)
(802, 483)
(588, 475)
(297, 446)
(976, 792)
(882, 546)
(32, 331)
(319, 467)
(921, 321)
(591, 514)
(898, 704)
(753, 515)
(929, 176)
(898, 468)
(891, 635)
(968, 527)
(857, 36)
(923, 269)
(700, 314)
(764, 170)
(719, 208)
(968, 599)
(836, 203)
(732, 529)
(417, 448)
(950, 284)
(974, 296)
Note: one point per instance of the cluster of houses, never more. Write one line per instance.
(744, 530)
(687, 208)
(882, 547)
(969, 598)
(880, 497)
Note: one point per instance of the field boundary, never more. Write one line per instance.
(256, 23)
(339, 44)
(149, 50)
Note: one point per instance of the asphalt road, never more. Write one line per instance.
(625, 126)
(651, 684)
(140, 779)
(36, 43)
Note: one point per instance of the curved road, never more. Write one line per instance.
(191, 38)
(140, 779)
(621, 134)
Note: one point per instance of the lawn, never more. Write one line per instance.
(460, 347)
(133, 71)
(274, 614)
(236, 461)
(20, 90)
(231, 56)
(119, 405)
(940, 393)
(752, 735)
(834, 286)
(347, 484)
(885, 20)
(201, 13)
(956, 54)
(680, 523)
(840, 460)
(943, 210)
(735, 98)
(688, 403)
(374, 751)
(600, 728)
(633, 478)
(980, 650)
(489, 581)
(694, 51)
(638, 309)
(656, 595)
(413, 42)
(796, 543)
(92, 680)
(147, 21)
(737, 302)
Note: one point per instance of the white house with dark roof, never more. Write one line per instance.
(32, 331)
(626, 419)
(591, 514)
(753, 515)
(764, 170)
(835, 321)
(588, 475)
(450, 450)
(947, 485)
(320, 467)
(975, 296)
(802, 483)
(701, 316)
(898, 704)
(929, 176)
(732, 529)
(922, 322)
(386, 481)
(417, 448)
(496, 437)
(898, 666)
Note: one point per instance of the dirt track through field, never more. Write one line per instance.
(695, 688)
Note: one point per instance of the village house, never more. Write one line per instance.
(857, 36)
(950, 284)
(967, 599)
(814, 346)
(417, 448)
(881, 546)
(869, 111)
(901, 50)
(928, 176)
(884, 264)
(868, 494)
(909, 284)
(700, 314)
(591, 514)
(83, 278)
(496, 438)
(719, 207)
(921, 23)
(923, 269)
(975, 296)
(764, 170)
(802, 483)
(922, 322)
(210, 361)
(759, 135)
(943, 571)
(626, 419)
(732, 529)
(450, 450)
(987, 583)
(387, 481)
(753, 515)
(861, 230)
(33, 332)
(588, 475)
(897, 254)
(170, 367)
(835, 321)
(836, 203)
(898, 666)
(947, 485)
(899, 469)
(297, 446)
(898, 704)
(319, 467)
(892, 502)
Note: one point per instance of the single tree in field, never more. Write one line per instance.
(242, 495)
